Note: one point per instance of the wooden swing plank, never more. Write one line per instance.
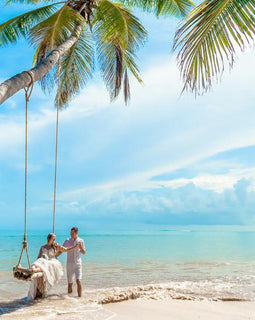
(25, 270)
(26, 274)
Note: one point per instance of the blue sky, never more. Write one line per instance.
(164, 159)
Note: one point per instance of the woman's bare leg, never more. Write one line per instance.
(36, 269)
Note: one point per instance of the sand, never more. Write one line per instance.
(182, 310)
(140, 309)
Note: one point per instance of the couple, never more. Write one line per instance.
(51, 268)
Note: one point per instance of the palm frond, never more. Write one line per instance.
(13, 29)
(33, 2)
(118, 35)
(23, 1)
(162, 7)
(75, 68)
(51, 33)
(210, 37)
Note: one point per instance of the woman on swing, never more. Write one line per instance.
(48, 264)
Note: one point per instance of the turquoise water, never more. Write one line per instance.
(210, 262)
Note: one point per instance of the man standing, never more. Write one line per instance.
(74, 262)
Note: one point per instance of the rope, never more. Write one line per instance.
(28, 91)
(55, 176)
(56, 149)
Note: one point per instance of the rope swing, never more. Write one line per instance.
(19, 272)
(56, 150)
(55, 175)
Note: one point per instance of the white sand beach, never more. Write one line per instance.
(140, 309)
(182, 310)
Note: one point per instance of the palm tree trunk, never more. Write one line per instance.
(23, 79)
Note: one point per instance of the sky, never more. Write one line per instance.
(165, 159)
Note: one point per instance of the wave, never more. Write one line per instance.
(65, 307)
(205, 263)
(186, 290)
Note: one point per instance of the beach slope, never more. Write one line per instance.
(182, 310)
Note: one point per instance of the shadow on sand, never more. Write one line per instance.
(12, 306)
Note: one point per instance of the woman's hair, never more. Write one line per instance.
(49, 236)
(54, 245)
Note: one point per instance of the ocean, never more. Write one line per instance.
(157, 262)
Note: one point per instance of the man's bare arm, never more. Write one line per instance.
(58, 254)
(82, 248)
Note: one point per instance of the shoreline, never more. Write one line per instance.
(186, 290)
(144, 307)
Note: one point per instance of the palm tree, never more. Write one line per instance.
(68, 34)
(209, 38)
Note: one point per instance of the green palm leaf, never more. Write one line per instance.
(51, 33)
(75, 68)
(118, 35)
(19, 26)
(162, 7)
(210, 36)
(34, 2)
(26, 1)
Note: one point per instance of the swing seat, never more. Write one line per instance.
(25, 274)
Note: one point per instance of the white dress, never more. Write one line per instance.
(52, 272)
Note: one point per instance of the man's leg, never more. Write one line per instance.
(78, 276)
(70, 274)
(79, 287)
(70, 288)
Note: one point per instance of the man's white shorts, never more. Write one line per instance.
(72, 270)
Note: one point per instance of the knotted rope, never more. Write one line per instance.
(56, 149)
(28, 91)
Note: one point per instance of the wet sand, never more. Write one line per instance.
(182, 310)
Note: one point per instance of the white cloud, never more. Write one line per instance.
(39, 121)
(215, 182)
(159, 93)
(156, 134)
(165, 204)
